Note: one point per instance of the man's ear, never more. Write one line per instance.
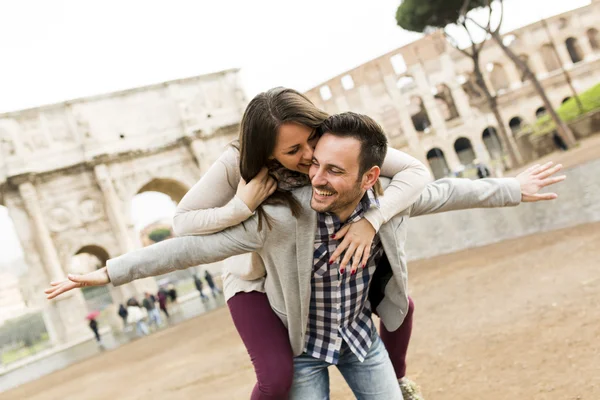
(370, 177)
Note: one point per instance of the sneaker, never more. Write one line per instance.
(410, 390)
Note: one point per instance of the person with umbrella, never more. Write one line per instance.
(93, 324)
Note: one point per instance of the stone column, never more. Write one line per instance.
(536, 63)
(111, 200)
(401, 104)
(341, 103)
(586, 48)
(64, 316)
(461, 100)
(119, 227)
(42, 233)
(563, 54)
(513, 74)
(366, 99)
(435, 117)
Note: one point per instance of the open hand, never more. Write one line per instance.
(535, 178)
(95, 278)
(257, 190)
(358, 237)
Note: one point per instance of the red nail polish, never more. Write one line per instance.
(342, 270)
(330, 262)
(353, 271)
(333, 236)
(364, 265)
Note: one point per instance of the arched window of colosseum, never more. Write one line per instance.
(347, 82)
(549, 56)
(515, 124)
(565, 100)
(574, 50)
(418, 114)
(525, 59)
(437, 163)
(406, 83)
(498, 76)
(464, 150)
(540, 112)
(492, 143)
(87, 259)
(445, 102)
(593, 38)
(398, 64)
(325, 92)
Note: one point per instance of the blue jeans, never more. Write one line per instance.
(372, 379)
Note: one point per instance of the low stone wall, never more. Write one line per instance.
(586, 125)
(578, 203)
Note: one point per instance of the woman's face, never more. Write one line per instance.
(294, 146)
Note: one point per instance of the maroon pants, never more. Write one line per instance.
(268, 344)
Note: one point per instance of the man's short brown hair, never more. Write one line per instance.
(373, 142)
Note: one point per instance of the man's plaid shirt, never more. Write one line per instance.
(339, 306)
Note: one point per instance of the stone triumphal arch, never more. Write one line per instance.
(68, 173)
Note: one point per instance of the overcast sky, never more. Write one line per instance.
(53, 50)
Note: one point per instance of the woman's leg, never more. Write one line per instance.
(396, 342)
(267, 342)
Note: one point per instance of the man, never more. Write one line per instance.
(211, 283)
(328, 314)
(149, 304)
(199, 287)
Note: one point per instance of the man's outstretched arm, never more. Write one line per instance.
(459, 194)
(167, 256)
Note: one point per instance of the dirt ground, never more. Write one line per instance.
(514, 320)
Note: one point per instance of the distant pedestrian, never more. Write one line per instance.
(211, 283)
(94, 328)
(153, 313)
(199, 286)
(482, 170)
(172, 293)
(559, 142)
(162, 301)
(136, 315)
(123, 314)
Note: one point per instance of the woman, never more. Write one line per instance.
(273, 155)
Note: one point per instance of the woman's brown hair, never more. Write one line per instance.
(260, 124)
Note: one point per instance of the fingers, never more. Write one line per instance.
(530, 169)
(549, 171)
(272, 188)
(341, 233)
(338, 252)
(351, 250)
(60, 289)
(366, 255)
(541, 197)
(263, 175)
(552, 181)
(542, 168)
(357, 258)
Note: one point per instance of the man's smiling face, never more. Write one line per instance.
(334, 174)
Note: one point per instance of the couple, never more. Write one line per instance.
(327, 311)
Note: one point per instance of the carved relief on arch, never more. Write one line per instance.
(59, 219)
(7, 147)
(90, 210)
